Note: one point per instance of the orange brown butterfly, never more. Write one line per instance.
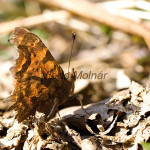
(39, 81)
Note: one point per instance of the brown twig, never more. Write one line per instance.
(32, 21)
(91, 11)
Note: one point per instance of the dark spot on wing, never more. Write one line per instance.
(36, 62)
(37, 69)
(47, 57)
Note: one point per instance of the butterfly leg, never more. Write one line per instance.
(80, 97)
(59, 114)
(54, 108)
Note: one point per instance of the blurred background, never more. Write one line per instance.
(112, 39)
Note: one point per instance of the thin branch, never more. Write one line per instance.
(32, 21)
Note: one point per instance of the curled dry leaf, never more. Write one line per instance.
(14, 135)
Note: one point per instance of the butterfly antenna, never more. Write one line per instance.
(73, 39)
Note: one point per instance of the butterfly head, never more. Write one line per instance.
(71, 76)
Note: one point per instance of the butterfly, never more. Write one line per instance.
(39, 81)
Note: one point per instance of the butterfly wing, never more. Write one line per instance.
(38, 77)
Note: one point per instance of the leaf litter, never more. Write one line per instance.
(120, 122)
